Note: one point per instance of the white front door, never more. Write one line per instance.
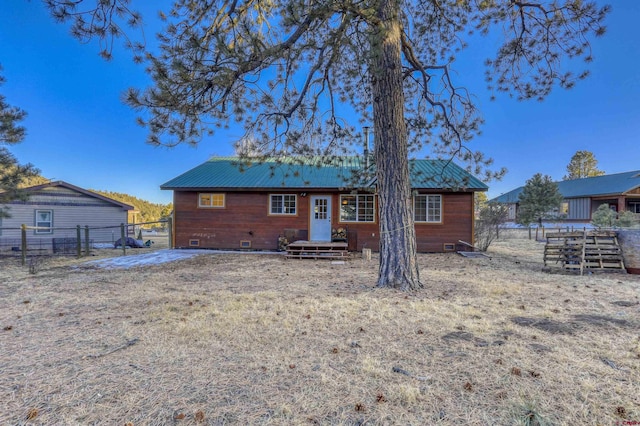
(320, 224)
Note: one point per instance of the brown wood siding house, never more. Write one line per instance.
(222, 205)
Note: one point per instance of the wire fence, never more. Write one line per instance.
(535, 232)
(27, 241)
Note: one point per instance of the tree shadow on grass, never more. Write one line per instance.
(570, 327)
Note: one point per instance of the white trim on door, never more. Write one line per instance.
(320, 218)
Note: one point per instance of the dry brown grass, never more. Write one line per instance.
(238, 339)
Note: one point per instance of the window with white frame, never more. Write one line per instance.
(211, 200)
(43, 221)
(282, 204)
(427, 208)
(634, 207)
(357, 208)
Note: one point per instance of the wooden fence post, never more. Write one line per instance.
(123, 243)
(23, 246)
(529, 231)
(366, 254)
(170, 232)
(86, 240)
(78, 242)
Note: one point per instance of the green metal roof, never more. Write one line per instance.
(614, 184)
(234, 173)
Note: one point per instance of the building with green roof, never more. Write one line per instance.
(582, 197)
(232, 203)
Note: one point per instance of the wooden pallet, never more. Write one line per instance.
(317, 250)
(585, 250)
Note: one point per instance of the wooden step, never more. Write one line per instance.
(317, 250)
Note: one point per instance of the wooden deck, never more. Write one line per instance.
(317, 250)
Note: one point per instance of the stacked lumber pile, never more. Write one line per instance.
(584, 251)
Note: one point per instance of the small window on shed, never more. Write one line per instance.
(209, 200)
(44, 221)
(427, 208)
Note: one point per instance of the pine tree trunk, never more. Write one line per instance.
(398, 260)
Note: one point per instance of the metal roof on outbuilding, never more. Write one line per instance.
(596, 186)
(295, 172)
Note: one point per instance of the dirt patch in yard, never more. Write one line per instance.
(259, 339)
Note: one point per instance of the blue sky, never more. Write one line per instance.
(79, 131)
